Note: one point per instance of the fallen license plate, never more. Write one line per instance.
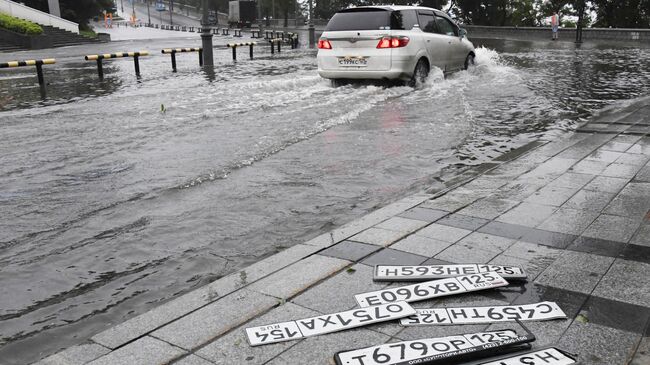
(431, 272)
(353, 61)
(327, 323)
(542, 311)
(549, 356)
(432, 289)
(433, 350)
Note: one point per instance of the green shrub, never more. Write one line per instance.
(19, 25)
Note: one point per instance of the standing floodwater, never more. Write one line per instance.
(118, 195)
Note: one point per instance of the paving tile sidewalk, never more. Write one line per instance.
(574, 213)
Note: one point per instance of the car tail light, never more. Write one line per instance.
(393, 42)
(324, 44)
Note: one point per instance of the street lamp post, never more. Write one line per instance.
(206, 36)
(310, 27)
(171, 10)
(122, 3)
(148, 15)
(581, 12)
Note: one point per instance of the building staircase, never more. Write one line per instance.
(60, 37)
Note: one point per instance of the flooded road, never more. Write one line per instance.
(118, 195)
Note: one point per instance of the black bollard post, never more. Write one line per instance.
(39, 73)
(234, 53)
(173, 61)
(201, 57)
(251, 50)
(136, 63)
(279, 43)
(100, 69)
(272, 47)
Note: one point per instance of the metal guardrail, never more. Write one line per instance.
(235, 45)
(100, 57)
(38, 63)
(173, 51)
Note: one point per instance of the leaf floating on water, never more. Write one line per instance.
(162, 108)
(350, 270)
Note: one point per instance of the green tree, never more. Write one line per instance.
(622, 13)
(78, 11)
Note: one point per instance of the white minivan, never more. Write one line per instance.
(391, 43)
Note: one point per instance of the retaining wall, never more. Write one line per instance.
(595, 34)
(25, 12)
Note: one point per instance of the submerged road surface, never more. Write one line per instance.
(118, 195)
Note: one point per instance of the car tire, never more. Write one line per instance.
(337, 83)
(420, 73)
(469, 61)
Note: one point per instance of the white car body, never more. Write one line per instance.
(354, 52)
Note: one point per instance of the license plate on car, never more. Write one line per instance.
(357, 61)
(432, 289)
(327, 323)
(412, 352)
(431, 272)
(488, 314)
(549, 356)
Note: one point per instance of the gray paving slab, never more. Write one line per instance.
(378, 236)
(488, 208)
(621, 170)
(570, 221)
(443, 233)
(633, 201)
(605, 155)
(460, 253)
(599, 345)
(641, 147)
(633, 159)
(567, 278)
(491, 181)
(144, 351)
(626, 281)
(424, 214)
(297, 277)
(590, 167)
(421, 245)
(589, 200)
(616, 145)
(517, 191)
(642, 235)
(607, 184)
(321, 349)
(463, 221)
(233, 348)
(451, 201)
(193, 360)
(487, 242)
(643, 175)
(533, 252)
(76, 355)
(551, 195)
(528, 214)
(584, 261)
(642, 355)
(336, 294)
(215, 319)
(350, 250)
(401, 224)
(572, 180)
(613, 228)
(389, 256)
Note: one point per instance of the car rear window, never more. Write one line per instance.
(360, 19)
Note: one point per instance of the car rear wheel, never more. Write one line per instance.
(469, 61)
(420, 73)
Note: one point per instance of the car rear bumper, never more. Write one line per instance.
(400, 68)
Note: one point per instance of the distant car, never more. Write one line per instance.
(391, 43)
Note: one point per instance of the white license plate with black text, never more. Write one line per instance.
(327, 323)
(353, 61)
(432, 289)
(489, 314)
(403, 352)
(432, 272)
(549, 356)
